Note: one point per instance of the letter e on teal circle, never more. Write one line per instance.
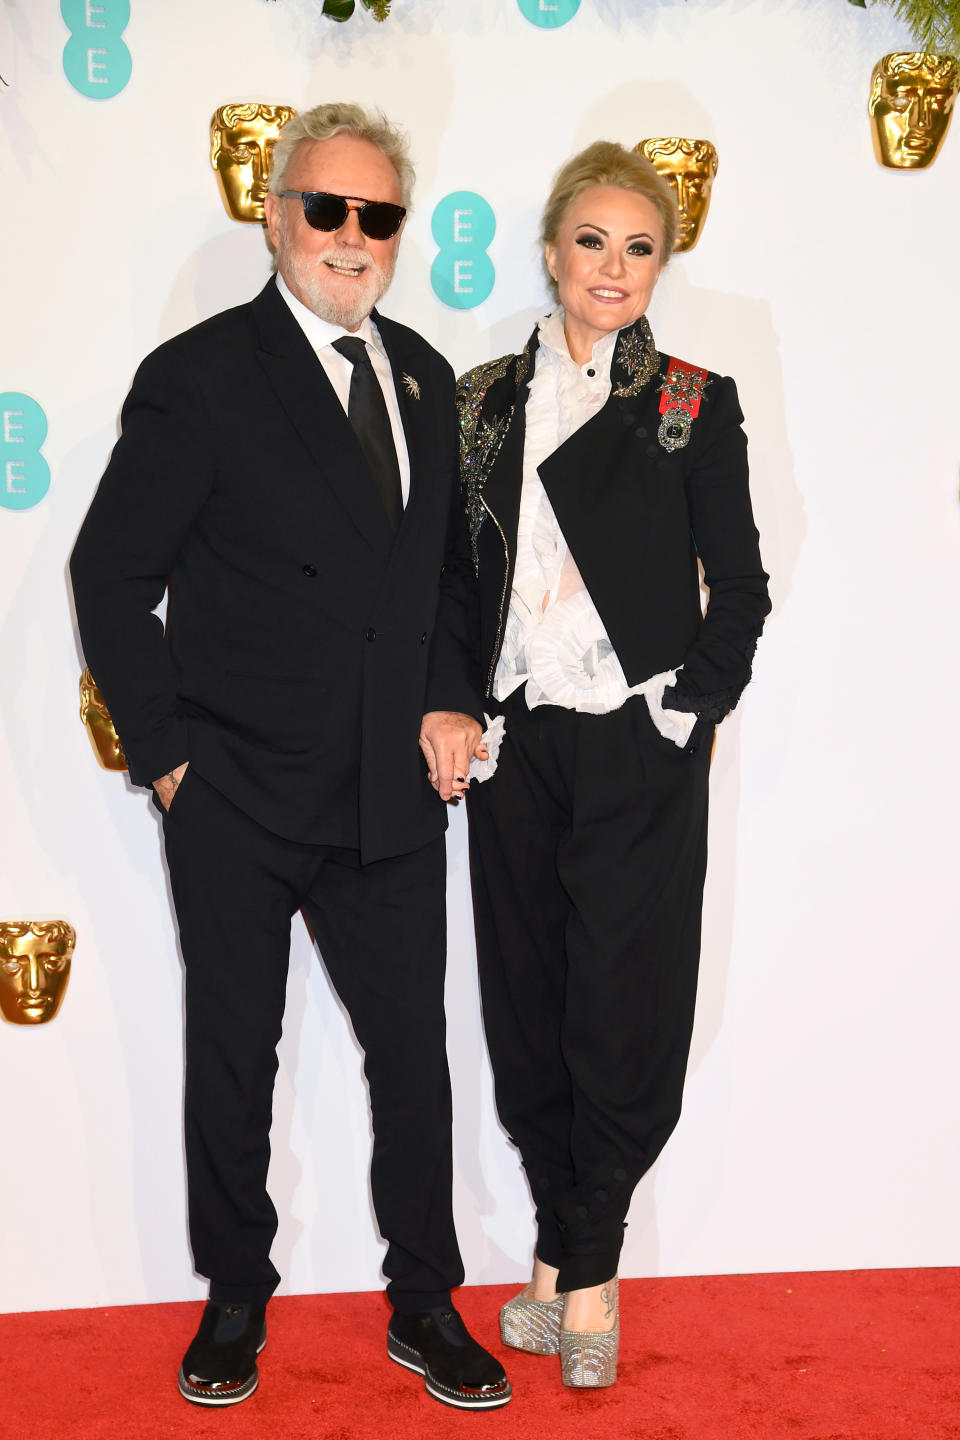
(463, 218)
(549, 14)
(463, 225)
(24, 473)
(95, 59)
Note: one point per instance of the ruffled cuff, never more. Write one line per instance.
(672, 724)
(492, 737)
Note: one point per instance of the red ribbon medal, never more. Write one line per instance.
(680, 396)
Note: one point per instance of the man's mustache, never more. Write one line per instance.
(348, 255)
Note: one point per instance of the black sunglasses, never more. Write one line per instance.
(322, 211)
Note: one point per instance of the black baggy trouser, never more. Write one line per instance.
(588, 852)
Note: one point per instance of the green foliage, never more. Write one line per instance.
(343, 9)
(934, 24)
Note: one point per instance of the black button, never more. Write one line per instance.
(581, 1212)
(310, 571)
(602, 1196)
(371, 634)
(619, 1174)
(651, 450)
(423, 638)
(591, 372)
(641, 432)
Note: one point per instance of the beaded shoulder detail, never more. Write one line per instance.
(636, 360)
(472, 392)
(484, 420)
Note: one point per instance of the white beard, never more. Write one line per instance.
(311, 278)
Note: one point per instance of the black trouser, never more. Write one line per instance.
(588, 850)
(382, 931)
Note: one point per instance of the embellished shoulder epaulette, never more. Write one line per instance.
(486, 400)
(472, 391)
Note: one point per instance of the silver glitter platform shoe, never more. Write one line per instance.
(588, 1358)
(532, 1325)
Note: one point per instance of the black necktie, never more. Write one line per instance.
(367, 413)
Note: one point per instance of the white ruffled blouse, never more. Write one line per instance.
(554, 641)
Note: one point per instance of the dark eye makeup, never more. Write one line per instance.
(591, 241)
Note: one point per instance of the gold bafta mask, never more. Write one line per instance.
(35, 960)
(690, 167)
(242, 138)
(911, 101)
(96, 717)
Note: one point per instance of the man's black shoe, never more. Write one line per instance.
(220, 1367)
(456, 1370)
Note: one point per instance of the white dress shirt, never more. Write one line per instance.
(554, 640)
(339, 371)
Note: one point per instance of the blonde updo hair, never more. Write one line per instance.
(607, 163)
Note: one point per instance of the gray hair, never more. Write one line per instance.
(343, 118)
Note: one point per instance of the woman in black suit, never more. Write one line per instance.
(596, 471)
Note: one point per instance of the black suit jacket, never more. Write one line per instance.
(303, 641)
(635, 517)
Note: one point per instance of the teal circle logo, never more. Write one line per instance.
(463, 225)
(549, 14)
(24, 474)
(95, 59)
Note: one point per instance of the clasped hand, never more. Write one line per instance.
(449, 742)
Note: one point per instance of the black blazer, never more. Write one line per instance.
(303, 642)
(635, 516)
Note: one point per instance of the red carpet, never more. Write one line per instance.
(866, 1354)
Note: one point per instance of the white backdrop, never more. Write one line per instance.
(820, 1121)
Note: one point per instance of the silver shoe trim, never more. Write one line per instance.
(200, 1395)
(499, 1394)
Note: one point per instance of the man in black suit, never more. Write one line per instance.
(289, 468)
